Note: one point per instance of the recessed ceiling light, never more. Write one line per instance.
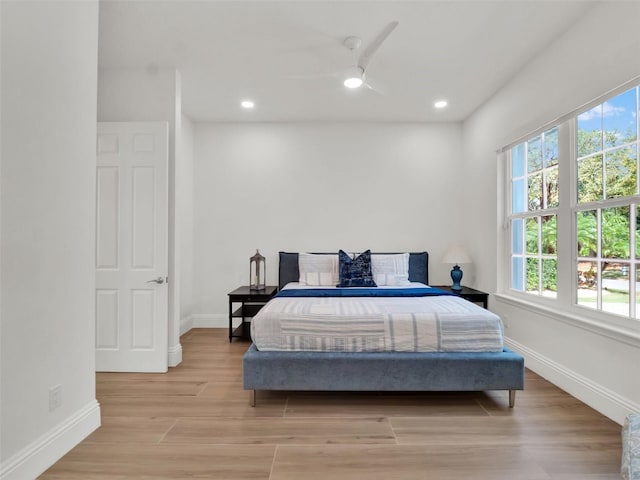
(441, 104)
(247, 104)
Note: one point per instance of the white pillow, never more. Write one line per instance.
(318, 270)
(390, 269)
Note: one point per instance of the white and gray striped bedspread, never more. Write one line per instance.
(376, 324)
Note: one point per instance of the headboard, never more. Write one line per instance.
(288, 267)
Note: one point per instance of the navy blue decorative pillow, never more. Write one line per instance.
(355, 272)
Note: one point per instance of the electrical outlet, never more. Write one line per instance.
(55, 397)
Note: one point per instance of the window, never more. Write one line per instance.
(533, 219)
(586, 182)
(606, 211)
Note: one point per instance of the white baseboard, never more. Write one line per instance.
(34, 459)
(600, 398)
(214, 320)
(175, 355)
(186, 324)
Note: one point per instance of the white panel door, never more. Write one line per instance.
(132, 247)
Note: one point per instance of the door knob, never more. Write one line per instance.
(159, 280)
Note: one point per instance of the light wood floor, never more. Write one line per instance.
(196, 422)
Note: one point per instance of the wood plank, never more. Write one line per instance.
(582, 459)
(280, 431)
(504, 431)
(405, 462)
(199, 406)
(450, 430)
(121, 460)
(131, 430)
(156, 387)
(331, 404)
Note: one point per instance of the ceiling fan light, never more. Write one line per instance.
(353, 82)
(354, 77)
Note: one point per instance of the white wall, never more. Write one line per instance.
(318, 187)
(48, 97)
(184, 185)
(152, 95)
(589, 60)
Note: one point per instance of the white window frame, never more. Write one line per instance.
(527, 214)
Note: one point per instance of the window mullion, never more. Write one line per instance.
(604, 162)
(540, 254)
(632, 263)
(599, 259)
(566, 248)
(637, 139)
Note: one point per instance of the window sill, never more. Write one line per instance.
(629, 336)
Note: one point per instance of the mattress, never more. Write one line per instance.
(387, 323)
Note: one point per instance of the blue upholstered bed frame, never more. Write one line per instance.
(385, 371)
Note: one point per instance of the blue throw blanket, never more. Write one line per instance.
(362, 292)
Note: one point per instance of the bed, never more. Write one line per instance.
(301, 369)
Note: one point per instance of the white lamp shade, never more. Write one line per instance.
(456, 254)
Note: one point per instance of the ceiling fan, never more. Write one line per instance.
(356, 76)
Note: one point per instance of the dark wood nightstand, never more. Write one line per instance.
(251, 302)
(471, 294)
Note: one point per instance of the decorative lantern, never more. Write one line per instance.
(257, 272)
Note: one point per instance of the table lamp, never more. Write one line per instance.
(456, 254)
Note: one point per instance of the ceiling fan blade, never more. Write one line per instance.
(315, 75)
(375, 86)
(365, 58)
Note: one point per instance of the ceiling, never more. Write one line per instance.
(287, 56)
